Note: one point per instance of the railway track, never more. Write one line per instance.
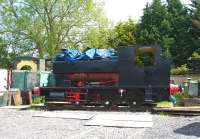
(184, 111)
(179, 111)
(64, 106)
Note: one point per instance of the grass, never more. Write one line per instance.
(178, 97)
(163, 113)
(164, 104)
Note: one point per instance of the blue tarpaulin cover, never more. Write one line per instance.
(74, 55)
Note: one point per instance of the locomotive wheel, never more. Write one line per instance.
(79, 104)
(107, 103)
(132, 104)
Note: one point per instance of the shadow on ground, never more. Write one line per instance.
(192, 129)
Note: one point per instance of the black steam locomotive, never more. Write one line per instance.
(111, 80)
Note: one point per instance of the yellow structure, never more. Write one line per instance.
(23, 64)
(33, 64)
(26, 63)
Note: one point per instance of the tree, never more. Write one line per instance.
(195, 14)
(154, 27)
(123, 34)
(168, 25)
(194, 61)
(4, 57)
(45, 26)
(97, 38)
(182, 47)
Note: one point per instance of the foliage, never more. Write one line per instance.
(97, 38)
(38, 99)
(195, 54)
(179, 97)
(180, 70)
(168, 25)
(4, 56)
(144, 59)
(45, 26)
(154, 27)
(42, 27)
(194, 61)
(195, 25)
(180, 22)
(196, 19)
(123, 34)
(162, 113)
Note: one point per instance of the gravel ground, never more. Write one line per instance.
(19, 124)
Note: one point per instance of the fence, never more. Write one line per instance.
(26, 80)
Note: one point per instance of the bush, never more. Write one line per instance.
(179, 97)
(195, 54)
(180, 70)
(38, 99)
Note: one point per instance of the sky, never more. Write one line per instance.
(117, 10)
